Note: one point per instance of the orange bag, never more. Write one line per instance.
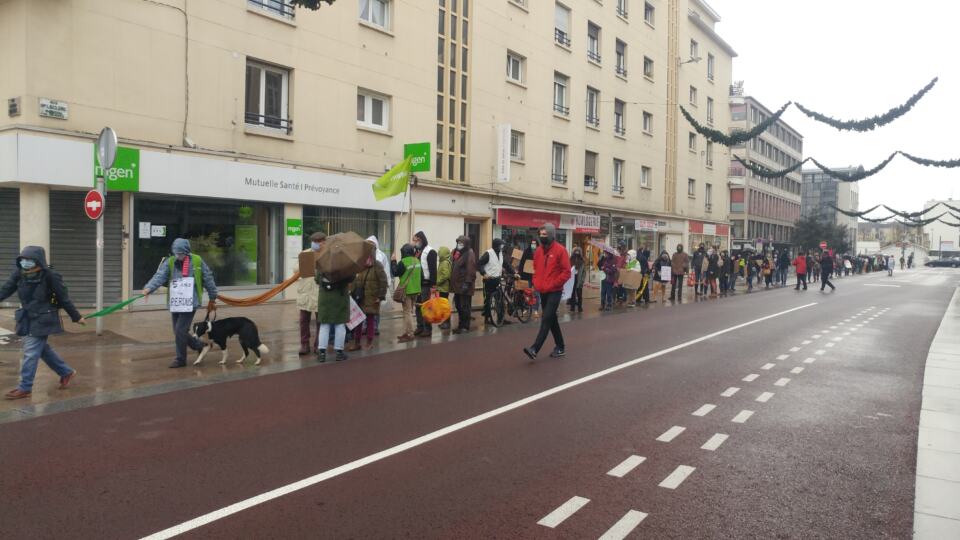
(690, 282)
(435, 310)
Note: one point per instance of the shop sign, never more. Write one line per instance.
(51, 108)
(648, 224)
(503, 153)
(710, 229)
(294, 227)
(125, 174)
(526, 218)
(13, 106)
(420, 152)
(580, 222)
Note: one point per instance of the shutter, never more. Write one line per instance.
(10, 225)
(73, 247)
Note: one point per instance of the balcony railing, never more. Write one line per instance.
(621, 71)
(277, 7)
(618, 190)
(561, 37)
(593, 55)
(622, 11)
(561, 109)
(273, 122)
(620, 130)
(590, 182)
(558, 178)
(593, 120)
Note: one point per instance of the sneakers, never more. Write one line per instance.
(16, 393)
(353, 347)
(65, 380)
(559, 352)
(532, 354)
(461, 330)
(177, 364)
(321, 356)
(405, 338)
(341, 356)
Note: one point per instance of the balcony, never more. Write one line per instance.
(622, 11)
(280, 8)
(594, 56)
(590, 183)
(620, 130)
(560, 179)
(622, 71)
(618, 190)
(558, 108)
(272, 122)
(593, 120)
(561, 37)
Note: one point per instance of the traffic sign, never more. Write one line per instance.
(823, 245)
(93, 204)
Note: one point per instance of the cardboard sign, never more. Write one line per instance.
(308, 263)
(528, 267)
(631, 279)
(181, 295)
(357, 316)
(517, 254)
(665, 273)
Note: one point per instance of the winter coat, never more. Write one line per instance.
(697, 262)
(609, 264)
(41, 295)
(657, 266)
(443, 270)
(552, 268)
(826, 265)
(162, 278)
(680, 263)
(373, 282)
(713, 265)
(577, 263)
(333, 301)
(801, 264)
(307, 291)
(463, 272)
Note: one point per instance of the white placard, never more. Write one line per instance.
(294, 246)
(144, 230)
(503, 153)
(181, 295)
(568, 286)
(51, 108)
(357, 316)
(159, 231)
(665, 273)
(710, 228)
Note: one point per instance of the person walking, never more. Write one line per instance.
(767, 269)
(368, 290)
(578, 264)
(551, 271)
(801, 263)
(333, 312)
(428, 266)
(443, 278)
(783, 265)
(462, 277)
(826, 270)
(492, 266)
(660, 278)
(680, 265)
(42, 295)
(186, 276)
(410, 281)
(307, 291)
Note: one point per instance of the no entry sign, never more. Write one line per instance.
(93, 205)
(823, 245)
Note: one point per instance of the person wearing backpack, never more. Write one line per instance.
(42, 294)
(186, 276)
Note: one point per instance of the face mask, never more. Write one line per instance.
(27, 264)
(180, 256)
(459, 246)
(545, 240)
(315, 246)
(533, 245)
(419, 245)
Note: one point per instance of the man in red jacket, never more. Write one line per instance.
(801, 263)
(551, 270)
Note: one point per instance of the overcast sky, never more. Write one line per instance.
(851, 59)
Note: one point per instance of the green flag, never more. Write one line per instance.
(113, 308)
(394, 182)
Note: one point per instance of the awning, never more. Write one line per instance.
(517, 217)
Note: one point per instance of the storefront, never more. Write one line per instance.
(517, 227)
(715, 235)
(366, 223)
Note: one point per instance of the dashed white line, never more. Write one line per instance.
(810, 360)
(750, 378)
(562, 512)
(677, 477)
(848, 333)
(742, 417)
(820, 352)
(714, 442)
(765, 397)
(797, 370)
(626, 466)
(831, 344)
(816, 336)
(781, 382)
(625, 526)
(806, 342)
(730, 391)
(855, 328)
(783, 357)
(794, 349)
(834, 327)
(768, 366)
(824, 331)
(671, 434)
(839, 338)
(704, 410)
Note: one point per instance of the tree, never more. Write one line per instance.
(311, 4)
(809, 231)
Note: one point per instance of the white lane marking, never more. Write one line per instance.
(714, 442)
(276, 493)
(750, 378)
(730, 391)
(810, 360)
(817, 336)
(839, 338)
(879, 285)
(626, 466)
(563, 511)
(781, 382)
(824, 331)
(854, 329)
(768, 366)
(783, 357)
(820, 352)
(704, 410)
(794, 349)
(848, 333)
(806, 342)
(671, 434)
(677, 477)
(885, 415)
(742, 417)
(834, 327)
(831, 344)
(625, 526)
(797, 370)
(765, 397)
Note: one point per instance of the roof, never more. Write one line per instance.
(711, 33)
(706, 7)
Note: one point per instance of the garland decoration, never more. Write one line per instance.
(957, 225)
(949, 164)
(954, 208)
(921, 223)
(855, 176)
(868, 124)
(764, 172)
(912, 216)
(850, 213)
(737, 137)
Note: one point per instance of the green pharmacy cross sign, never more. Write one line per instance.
(125, 174)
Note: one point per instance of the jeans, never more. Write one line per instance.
(676, 286)
(409, 319)
(181, 334)
(606, 294)
(463, 302)
(422, 324)
(698, 285)
(35, 349)
(733, 282)
(340, 335)
(549, 322)
(801, 280)
(305, 317)
(576, 300)
(489, 287)
(369, 327)
(825, 281)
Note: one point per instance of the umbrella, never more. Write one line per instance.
(605, 247)
(343, 255)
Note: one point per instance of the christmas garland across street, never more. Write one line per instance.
(949, 164)
(920, 223)
(764, 172)
(873, 122)
(737, 137)
(856, 176)
(910, 215)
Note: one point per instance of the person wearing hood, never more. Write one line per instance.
(645, 266)
(408, 269)
(659, 278)
(333, 312)
(444, 267)
(42, 295)
(492, 266)
(578, 264)
(428, 268)
(307, 293)
(632, 264)
(528, 253)
(551, 270)
(186, 276)
(679, 266)
(697, 264)
(385, 263)
(713, 271)
(368, 290)
(723, 274)
(463, 273)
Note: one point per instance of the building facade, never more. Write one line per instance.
(821, 194)
(246, 125)
(944, 240)
(763, 211)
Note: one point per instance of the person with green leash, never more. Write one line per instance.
(186, 276)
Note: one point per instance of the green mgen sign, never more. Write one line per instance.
(125, 174)
(421, 156)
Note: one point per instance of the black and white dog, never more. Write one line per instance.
(222, 330)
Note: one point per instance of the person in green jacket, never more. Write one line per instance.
(443, 278)
(410, 273)
(333, 311)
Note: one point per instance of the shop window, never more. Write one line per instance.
(366, 223)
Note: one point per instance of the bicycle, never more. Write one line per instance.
(509, 300)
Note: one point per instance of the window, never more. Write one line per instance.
(692, 142)
(375, 12)
(622, 8)
(711, 65)
(647, 122)
(646, 177)
(373, 110)
(710, 154)
(593, 106)
(516, 145)
(522, 3)
(619, 118)
(558, 168)
(618, 176)
(648, 13)
(561, 32)
(647, 67)
(709, 110)
(590, 170)
(693, 96)
(515, 65)
(593, 42)
(560, 84)
(708, 197)
(267, 91)
(621, 58)
(691, 187)
(694, 49)
(282, 8)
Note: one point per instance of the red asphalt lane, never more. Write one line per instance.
(137, 467)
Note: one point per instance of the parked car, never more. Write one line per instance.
(950, 262)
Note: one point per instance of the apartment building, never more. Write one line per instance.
(944, 240)
(763, 211)
(821, 193)
(246, 125)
